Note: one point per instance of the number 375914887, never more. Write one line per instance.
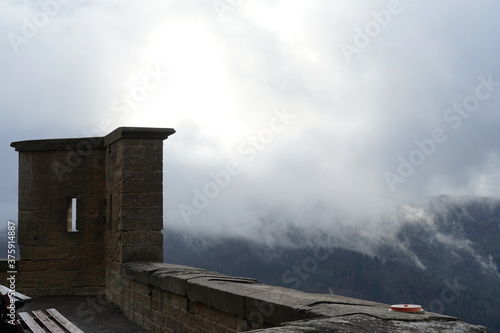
(11, 247)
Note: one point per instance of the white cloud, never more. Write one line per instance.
(228, 74)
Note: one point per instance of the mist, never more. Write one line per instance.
(322, 116)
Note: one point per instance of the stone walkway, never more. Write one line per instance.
(90, 314)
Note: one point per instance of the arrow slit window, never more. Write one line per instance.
(72, 209)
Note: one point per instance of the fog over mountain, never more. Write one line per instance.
(320, 123)
(321, 114)
(370, 128)
(444, 256)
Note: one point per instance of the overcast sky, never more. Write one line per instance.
(314, 113)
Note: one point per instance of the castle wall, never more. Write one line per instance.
(116, 183)
(173, 299)
(134, 219)
(55, 259)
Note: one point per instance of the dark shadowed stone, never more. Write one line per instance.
(145, 238)
(142, 253)
(58, 144)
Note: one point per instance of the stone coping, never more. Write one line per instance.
(248, 298)
(137, 133)
(58, 144)
(93, 142)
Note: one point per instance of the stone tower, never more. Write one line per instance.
(86, 206)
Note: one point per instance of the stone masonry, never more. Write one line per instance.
(171, 298)
(117, 183)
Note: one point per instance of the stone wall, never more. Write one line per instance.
(117, 183)
(55, 260)
(172, 298)
(134, 191)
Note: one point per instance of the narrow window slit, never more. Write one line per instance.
(72, 207)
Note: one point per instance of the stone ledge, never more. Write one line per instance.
(59, 144)
(304, 312)
(93, 142)
(363, 323)
(137, 133)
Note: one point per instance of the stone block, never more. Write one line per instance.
(145, 199)
(92, 202)
(143, 187)
(171, 284)
(62, 275)
(207, 325)
(64, 238)
(206, 292)
(42, 215)
(142, 253)
(141, 224)
(142, 238)
(27, 282)
(34, 202)
(24, 215)
(113, 258)
(46, 252)
(138, 271)
(55, 282)
(176, 301)
(141, 176)
(95, 274)
(141, 288)
(129, 142)
(24, 238)
(70, 265)
(35, 265)
(96, 252)
(72, 252)
(143, 157)
(25, 252)
(51, 222)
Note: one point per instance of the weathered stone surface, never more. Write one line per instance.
(115, 222)
(141, 224)
(359, 323)
(142, 212)
(138, 271)
(139, 133)
(142, 252)
(142, 238)
(57, 144)
(257, 304)
(142, 199)
(169, 281)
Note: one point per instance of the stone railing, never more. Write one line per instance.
(173, 298)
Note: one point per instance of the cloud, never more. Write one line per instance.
(230, 68)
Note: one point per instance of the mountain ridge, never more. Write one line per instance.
(443, 255)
